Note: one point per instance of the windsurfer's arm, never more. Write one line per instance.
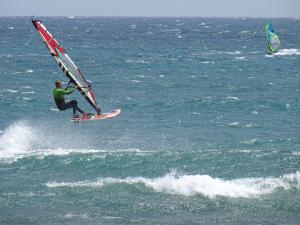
(68, 91)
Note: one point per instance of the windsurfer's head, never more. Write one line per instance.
(58, 83)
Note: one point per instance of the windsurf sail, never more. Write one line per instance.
(272, 38)
(66, 64)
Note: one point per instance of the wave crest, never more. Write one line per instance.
(205, 185)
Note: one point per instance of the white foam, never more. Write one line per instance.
(16, 140)
(245, 32)
(136, 61)
(234, 53)
(245, 151)
(225, 31)
(76, 184)
(250, 142)
(248, 125)
(232, 98)
(14, 152)
(41, 153)
(21, 140)
(10, 90)
(29, 71)
(234, 124)
(54, 109)
(26, 87)
(291, 51)
(205, 185)
(240, 58)
(269, 55)
(28, 92)
(208, 62)
(135, 81)
(71, 215)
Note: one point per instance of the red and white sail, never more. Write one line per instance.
(66, 64)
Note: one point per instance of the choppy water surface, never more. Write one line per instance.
(209, 130)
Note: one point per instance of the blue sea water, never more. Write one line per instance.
(209, 131)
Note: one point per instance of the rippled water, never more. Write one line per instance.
(209, 130)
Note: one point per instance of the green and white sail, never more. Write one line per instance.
(272, 38)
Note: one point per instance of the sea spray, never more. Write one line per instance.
(16, 139)
(291, 51)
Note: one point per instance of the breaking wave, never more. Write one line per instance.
(21, 139)
(205, 185)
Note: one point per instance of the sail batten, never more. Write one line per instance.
(66, 64)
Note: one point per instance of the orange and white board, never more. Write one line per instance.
(102, 116)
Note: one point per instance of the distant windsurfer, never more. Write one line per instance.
(270, 34)
(59, 92)
(272, 38)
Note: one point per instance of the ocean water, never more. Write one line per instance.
(209, 131)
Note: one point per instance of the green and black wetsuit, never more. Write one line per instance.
(59, 94)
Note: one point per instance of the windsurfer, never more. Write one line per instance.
(59, 93)
(272, 38)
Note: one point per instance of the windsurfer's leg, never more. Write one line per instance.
(80, 110)
(61, 105)
(73, 104)
(98, 110)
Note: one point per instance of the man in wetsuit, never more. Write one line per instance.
(59, 92)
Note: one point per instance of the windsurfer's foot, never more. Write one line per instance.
(75, 116)
(86, 114)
